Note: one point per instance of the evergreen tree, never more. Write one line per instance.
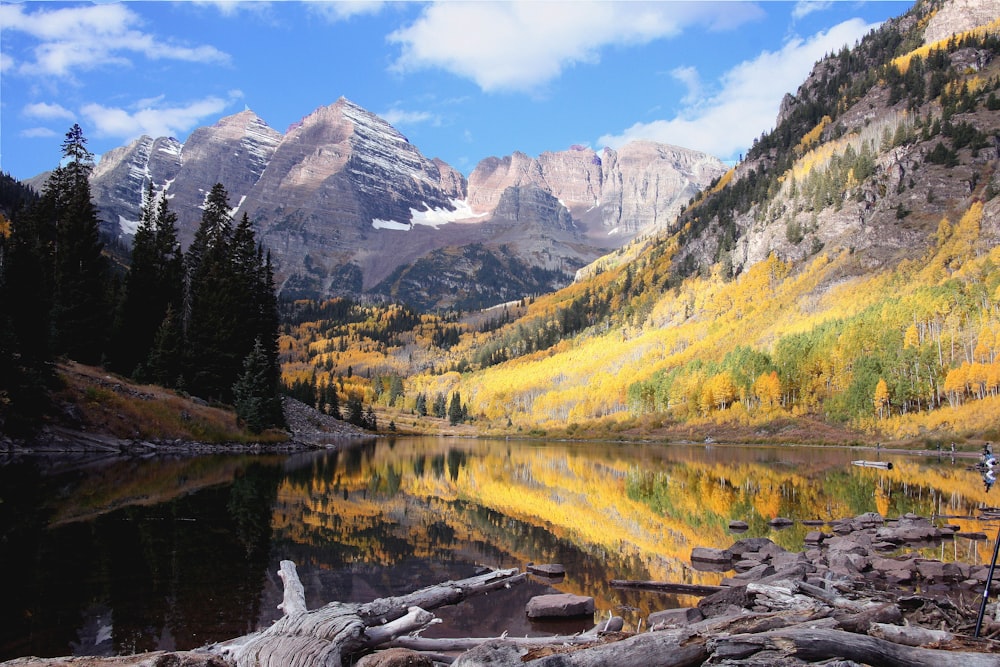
(25, 302)
(395, 389)
(421, 405)
(81, 311)
(212, 331)
(355, 410)
(455, 409)
(254, 394)
(439, 407)
(165, 363)
(155, 282)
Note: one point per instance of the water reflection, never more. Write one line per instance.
(137, 555)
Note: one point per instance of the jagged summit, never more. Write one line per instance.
(342, 199)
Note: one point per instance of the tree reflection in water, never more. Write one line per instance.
(138, 555)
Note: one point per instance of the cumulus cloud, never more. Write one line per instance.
(341, 10)
(82, 38)
(747, 98)
(46, 111)
(399, 117)
(521, 45)
(155, 121)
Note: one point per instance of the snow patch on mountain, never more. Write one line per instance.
(432, 217)
(128, 226)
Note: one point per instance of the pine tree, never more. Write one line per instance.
(212, 331)
(81, 311)
(254, 394)
(154, 283)
(165, 362)
(455, 409)
(25, 303)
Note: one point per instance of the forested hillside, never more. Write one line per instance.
(846, 272)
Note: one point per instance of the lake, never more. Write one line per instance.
(104, 556)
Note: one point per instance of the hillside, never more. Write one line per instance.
(842, 279)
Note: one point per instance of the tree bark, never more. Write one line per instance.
(324, 637)
(823, 644)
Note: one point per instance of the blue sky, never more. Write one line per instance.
(462, 80)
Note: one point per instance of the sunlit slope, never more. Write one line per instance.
(844, 275)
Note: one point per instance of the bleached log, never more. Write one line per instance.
(863, 620)
(415, 619)
(910, 635)
(294, 601)
(667, 648)
(821, 644)
(324, 637)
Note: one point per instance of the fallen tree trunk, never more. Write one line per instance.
(666, 587)
(816, 644)
(328, 635)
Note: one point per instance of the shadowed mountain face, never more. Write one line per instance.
(346, 204)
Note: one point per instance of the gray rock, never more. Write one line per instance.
(559, 605)
(710, 555)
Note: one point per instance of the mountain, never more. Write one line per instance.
(347, 205)
(841, 283)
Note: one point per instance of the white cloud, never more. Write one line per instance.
(81, 38)
(46, 111)
(398, 117)
(747, 99)
(37, 133)
(234, 7)
(805, 7)
(521, 45)
(692, 81)
(341, 10)
(173, 121)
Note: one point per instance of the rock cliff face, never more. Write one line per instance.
(958, 16)
(344, 202)
(640, 187)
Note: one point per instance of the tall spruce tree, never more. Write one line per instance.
(81, 310)
(255, 394)
(25, 303)
(212, 335)
(155, 282)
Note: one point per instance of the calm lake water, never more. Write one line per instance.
(108, 556)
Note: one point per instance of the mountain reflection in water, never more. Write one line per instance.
(121, 556)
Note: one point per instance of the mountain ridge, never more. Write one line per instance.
(342, 199)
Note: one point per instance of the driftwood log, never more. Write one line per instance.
(336, 632)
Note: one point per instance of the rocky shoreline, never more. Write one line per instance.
(857, 594)
(307, 428)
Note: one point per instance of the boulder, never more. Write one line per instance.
(559, 605)
(748, 545)
(713, 556)
(738, 526)
(780, 522)
(395, 657)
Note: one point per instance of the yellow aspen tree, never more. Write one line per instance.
(767, 389)
(881, 398)
(911, 338)
(954, 385)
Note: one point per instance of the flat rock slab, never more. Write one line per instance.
(713, 556)
(559, 605)
(547, 570)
